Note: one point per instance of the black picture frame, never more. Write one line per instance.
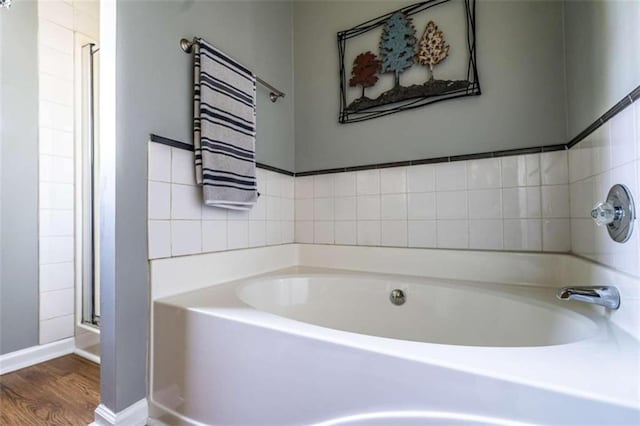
(472, 89)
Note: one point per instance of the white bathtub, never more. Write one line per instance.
(314, 346)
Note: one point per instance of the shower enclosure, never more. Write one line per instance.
(90, 188)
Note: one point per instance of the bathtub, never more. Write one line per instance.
(310, 345)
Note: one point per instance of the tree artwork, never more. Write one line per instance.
(433, 49)
(364, 70)
(397, 45)
(366, 94)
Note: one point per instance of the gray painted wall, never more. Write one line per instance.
(258, 34)
(19, 177)
(521, 68)
(153, 95)
(603, 57)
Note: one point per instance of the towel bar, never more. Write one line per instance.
(274, 93)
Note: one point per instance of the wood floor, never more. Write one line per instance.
(63, 391)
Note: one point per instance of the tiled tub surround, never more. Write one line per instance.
(180, 224)
(608, 156)
(533, 202)
(509, 203)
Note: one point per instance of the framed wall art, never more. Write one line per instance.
(408, 58)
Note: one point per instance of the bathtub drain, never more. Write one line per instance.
(397, 297)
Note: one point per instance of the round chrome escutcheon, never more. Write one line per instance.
(622, 226)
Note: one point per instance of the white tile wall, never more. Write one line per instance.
(56, 223)
(393, 233)
(160, 238)
(368, 232)
(421, 179)
(452, 234)
(522, 234)
(345, 232)
(86, 17)
(452, 205)
(238, 234)
(368, 207)
(535, 202)
(367, 182)
(393, 206)
(58, 21)
(56, 328)
(606, 157)
(492, 204)
(521, 202)
(56, 276)
(393, 181)
(421, 233)
(521, 170)
(485, 234)
(421, 205)
(186, 237)
(484, 173)
(159, 200)
(56, 303)
(55, 171)
(180, 224)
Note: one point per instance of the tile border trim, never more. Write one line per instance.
(189, 147)
(629, 99)
(633, 96)
(170, 142)
(450, 159)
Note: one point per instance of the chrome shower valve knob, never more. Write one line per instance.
(605, 213)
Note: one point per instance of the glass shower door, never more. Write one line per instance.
(90, 186)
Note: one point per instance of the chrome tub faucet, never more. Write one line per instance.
(603, 295)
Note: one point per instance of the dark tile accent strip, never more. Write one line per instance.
(633, 96)
(430, 161)
(465, 157)
(482, 155)
(171, 142)
(586, 132)
(274, 169)
(394, 164)
(520, 151)
(189, 147)
(616, 109)
(622, 104)
(326, 171)
(557, 147)
(360, 168)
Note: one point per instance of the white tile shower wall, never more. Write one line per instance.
(608, 156)
(59, 21)
(180, 224)
(511, 203)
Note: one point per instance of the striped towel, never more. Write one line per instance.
(224, 127)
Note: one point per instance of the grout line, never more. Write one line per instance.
(71, 314)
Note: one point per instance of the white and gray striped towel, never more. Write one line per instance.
(224, 125)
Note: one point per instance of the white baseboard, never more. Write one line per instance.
(35, 355)
(134, 415)
(87, 355)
